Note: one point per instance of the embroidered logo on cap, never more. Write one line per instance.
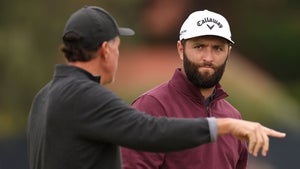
(210, 27)
(209, 20)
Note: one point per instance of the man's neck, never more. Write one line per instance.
(89, 66)
(206, 93)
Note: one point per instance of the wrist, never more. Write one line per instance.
(223, 125)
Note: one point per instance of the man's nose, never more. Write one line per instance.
(208, 54)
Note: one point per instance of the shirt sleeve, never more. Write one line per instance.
(107, 118)
(213, 128)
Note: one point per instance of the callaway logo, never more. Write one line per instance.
(210, 27)
(206, 20)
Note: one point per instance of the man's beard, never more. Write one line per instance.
(204, 80)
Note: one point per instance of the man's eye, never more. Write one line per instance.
(218, 48)
(198, 46)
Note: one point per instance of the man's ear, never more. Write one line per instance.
(229, 49)
(180, 49)
(103, 50)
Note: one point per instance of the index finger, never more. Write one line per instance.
(274, 133)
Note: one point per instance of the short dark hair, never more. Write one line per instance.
(74, 50)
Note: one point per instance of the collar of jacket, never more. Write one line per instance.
(67, 70)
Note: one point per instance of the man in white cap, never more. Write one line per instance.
(194, 91)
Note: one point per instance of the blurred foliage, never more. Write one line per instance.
(267, 31)
(274, 29)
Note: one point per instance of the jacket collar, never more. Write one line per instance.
(68, 70)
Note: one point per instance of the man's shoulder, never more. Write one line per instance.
(161, 90)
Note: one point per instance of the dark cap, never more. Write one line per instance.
(94, 25)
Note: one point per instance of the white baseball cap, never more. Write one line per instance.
(202, 23)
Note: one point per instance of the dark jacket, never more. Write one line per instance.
(75, 123)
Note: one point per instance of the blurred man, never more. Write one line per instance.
(77, 123)
(193, 92)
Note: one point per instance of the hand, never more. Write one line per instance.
(254, 133)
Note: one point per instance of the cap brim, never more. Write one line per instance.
(126, 31)
(194, 36)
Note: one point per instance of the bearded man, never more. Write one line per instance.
(194, 91)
